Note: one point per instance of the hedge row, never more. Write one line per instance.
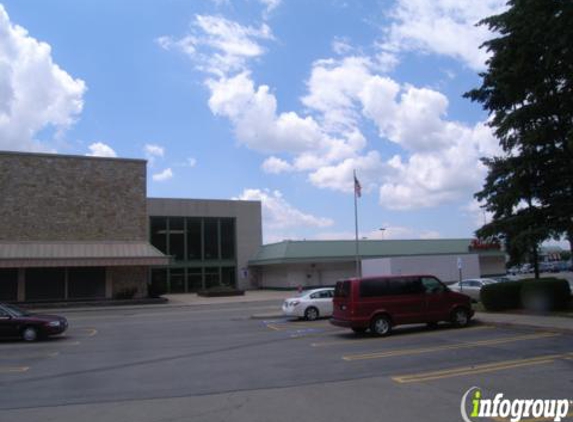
(540, 295)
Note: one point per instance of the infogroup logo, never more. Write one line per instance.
(514, 409)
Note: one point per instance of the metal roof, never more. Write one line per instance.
(89, 253)
(344, 250)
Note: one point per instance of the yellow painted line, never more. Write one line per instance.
(91, 331)
(418, 351)
(397, 337)
(475, 369)
(569, 415)
(13, 369)
(273, 327)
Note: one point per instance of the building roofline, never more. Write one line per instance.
(154, 198)
(69, 156)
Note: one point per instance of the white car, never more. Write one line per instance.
(472, 286)
(310, 305)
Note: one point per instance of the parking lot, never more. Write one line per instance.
(206, 363)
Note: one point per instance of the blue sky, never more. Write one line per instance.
(273, 100)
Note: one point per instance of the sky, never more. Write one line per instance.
(271, 100)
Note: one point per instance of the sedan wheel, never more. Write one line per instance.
(30, 334)
(311, 314)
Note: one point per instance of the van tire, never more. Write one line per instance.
(460, 318)
(380, 325)
(311, 314)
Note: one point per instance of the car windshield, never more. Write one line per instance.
(16, 311)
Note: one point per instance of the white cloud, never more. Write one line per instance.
(443, 27)
(35, 93)
(436, 159)
(279, 216)
(152, 152)
(270, 5)
(274, 165)
(191, 162)
(163, 176)
(99, 149)
(218, 45)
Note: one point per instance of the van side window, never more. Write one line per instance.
(405, 286)
(432, 285)
(373, 288)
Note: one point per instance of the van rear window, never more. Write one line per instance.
(342, 289)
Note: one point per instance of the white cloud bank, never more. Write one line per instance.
(438, 158)
(280, 218)
(163, 175)
(99, 149)
(35, 93)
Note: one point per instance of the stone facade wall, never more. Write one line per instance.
(126, 278)
(66, 198)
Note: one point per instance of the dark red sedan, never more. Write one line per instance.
(16, 322)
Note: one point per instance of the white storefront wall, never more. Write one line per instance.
(445, 267)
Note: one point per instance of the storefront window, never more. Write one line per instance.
(45, 283)
(194, 239)
(177, 280)
(211, 237)
(194, 279)
(177, 238)
(227, 238)
(86, 282)
(8, 284)
(158, 229)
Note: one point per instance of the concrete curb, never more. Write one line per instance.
(561, 330)
(268, 316)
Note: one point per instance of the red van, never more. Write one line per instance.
(379, 303)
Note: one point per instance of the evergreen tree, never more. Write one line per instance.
(528, 90)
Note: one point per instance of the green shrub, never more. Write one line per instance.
(501, 296)
(545, 295)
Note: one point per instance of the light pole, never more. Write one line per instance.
(382, 230)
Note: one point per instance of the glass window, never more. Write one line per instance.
(45, 283)
(212, 277)
(194, 279)
(88, 282)
(432, 285)
(227, 238)
(159, 280)
(211, 227)
(158, 229)
(373, 288)
(177, 238)
(228, 275)
(342, 289)
(8, 284)
(194, 239)
(177, 280)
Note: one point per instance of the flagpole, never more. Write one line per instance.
(358, 270)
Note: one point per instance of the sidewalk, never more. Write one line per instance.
(546, 322)
(177, 301)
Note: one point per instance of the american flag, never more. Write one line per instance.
(357, 187)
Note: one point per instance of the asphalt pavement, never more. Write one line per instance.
(200, 362)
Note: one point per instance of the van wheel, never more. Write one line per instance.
(311, 314)
(359, 330)
(460, 318)
(381, 326)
